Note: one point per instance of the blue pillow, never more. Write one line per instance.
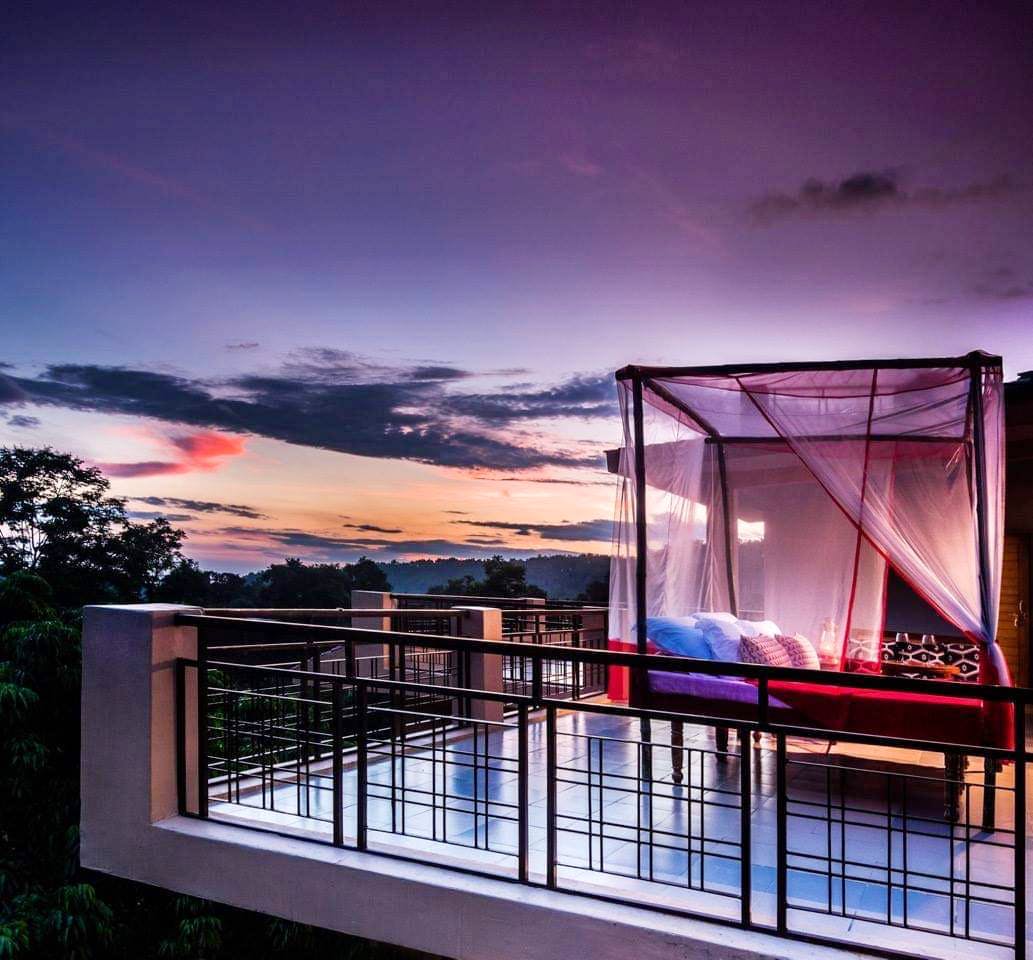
(722, 637)
(678, 636)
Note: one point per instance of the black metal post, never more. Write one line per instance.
(979, 454)
(202, 724)
(361, 763)
(550, 797)
(745, 823)
(781, 828)
(337, 728)
(722, 470)
(638, 675)
(522, 772)
(1020, 827)
(536, 681)
(181, 737)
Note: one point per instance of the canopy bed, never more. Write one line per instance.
(761, 510)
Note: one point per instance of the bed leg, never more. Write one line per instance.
(953, 772)
(989, 793)
(721, 741)
(677, 754)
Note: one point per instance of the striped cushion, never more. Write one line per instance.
(801, 652)
(765, 650)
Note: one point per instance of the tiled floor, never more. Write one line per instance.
(679, 846)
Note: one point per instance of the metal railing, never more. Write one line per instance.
(831, 836)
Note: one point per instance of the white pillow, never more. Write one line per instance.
(765, 628)
(723, 617)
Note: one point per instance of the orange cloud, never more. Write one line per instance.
(199, 452)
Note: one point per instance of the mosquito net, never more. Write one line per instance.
(787, 494)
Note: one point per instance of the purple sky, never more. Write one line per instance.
(363, 265)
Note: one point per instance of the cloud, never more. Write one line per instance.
(580, 166)
(204, 451)
(203, 506)
(370, 528)
(11, 392)
(573, 483)
(330, 546)
(243, 345)
(1003, 284)
(23, 422)
(160, 515)
(334, 400)
(872, 191)
(580, 396)
(580, 530)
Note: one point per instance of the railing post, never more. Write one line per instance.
(550, 797)
(522, 792)
(1020, 827)
(361, 763)
(781, 828)
(745, 825)
(181, 737)
(337, 732)
(484, 623)
(202, 724)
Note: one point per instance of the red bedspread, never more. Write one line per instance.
(908, 716)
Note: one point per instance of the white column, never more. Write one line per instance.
(484, 623)
(128, 767)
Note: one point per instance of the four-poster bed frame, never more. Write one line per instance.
(646, 385)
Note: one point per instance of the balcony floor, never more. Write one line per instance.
(867, 841)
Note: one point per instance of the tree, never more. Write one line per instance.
(502, 578)
(58, 520)
(297, 584)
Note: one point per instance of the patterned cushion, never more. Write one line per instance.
(765, 650)
(800, 651)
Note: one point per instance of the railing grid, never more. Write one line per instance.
(825, 836)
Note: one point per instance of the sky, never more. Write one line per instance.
(331, 280)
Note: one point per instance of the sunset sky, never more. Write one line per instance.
(339, 279)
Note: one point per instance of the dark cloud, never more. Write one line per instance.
(243, 345)
(158, 514)
(334, 400)
(328, 545)
(203, 506)
(23, 422)
(11, 392)
(370, 528)
(581, 530)
(577, 397)
(1003, 284)
(871, 191)
(572, 483)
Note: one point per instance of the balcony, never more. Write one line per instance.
(455, 780)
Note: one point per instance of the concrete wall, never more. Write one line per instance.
(130, 829)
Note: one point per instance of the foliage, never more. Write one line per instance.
(49, 907)
(502, 578)
(597, 591)
(57, 520)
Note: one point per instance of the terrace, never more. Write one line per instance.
(454, 778)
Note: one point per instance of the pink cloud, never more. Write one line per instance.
(203, 451)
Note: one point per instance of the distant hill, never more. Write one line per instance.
(561, 576)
